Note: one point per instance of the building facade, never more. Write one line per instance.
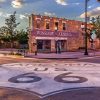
(52, 34)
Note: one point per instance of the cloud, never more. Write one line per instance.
(17, 3)
(2, 0)
(1, 13)
(4, 15)
(61, 2)
(49, 14)
(89, 6)
(94, 12)
(22, 16)
(76, 3)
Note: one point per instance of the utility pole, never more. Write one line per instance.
(86, 34)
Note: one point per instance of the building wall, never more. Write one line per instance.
(73, 42)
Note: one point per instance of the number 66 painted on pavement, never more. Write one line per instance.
(60, 78)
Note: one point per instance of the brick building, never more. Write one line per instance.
(52, 34)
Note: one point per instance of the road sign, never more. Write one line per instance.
(93, 36)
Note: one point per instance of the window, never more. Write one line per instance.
(47, 44)
(39, 44)
(47, 25)
(56, 25)
(43, 45)
(64, 26)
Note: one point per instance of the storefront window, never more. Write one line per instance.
(43, 45)
(47, 44)
(39, 44)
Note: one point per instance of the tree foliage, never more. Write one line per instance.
(8, 32)
(22, 37)
(11, 23)
(96, 25)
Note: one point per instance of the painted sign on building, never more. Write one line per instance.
(50, 33)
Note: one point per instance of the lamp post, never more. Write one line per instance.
(86, 35)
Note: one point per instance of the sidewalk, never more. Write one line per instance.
(64, 55)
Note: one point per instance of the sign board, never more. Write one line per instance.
(93, 36)
(45, 33)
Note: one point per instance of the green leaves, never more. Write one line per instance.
(96, 25)
(22, 37)
(11, 23)
(8, 32)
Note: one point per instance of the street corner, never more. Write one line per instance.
(52, 80)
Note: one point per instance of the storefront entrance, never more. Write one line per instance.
(60, 45)
(43, 45)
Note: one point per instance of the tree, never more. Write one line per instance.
(4, 36)
(22, 37)
(96, 26)
(9, 31)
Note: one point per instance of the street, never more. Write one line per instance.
(49, 79)
(50, 50)
(90, 59)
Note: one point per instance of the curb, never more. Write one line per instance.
(52, 58)
(56, 58)
(89, 57)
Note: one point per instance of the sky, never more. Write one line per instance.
(69, 9)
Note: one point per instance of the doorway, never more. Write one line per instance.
(60, 45)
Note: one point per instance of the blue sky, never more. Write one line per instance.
(70, 9)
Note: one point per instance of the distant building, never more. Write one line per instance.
(51, 34)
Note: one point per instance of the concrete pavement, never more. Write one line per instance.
(43, 81)
(63, 55)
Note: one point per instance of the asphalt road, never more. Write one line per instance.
(89, 59)
(4, 60)
(74, 94)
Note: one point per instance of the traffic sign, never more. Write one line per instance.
(93, 36)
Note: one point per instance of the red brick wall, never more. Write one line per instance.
(71, 26)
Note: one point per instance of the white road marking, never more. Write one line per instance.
(26, 72)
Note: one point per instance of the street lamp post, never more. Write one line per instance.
(86, 35)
